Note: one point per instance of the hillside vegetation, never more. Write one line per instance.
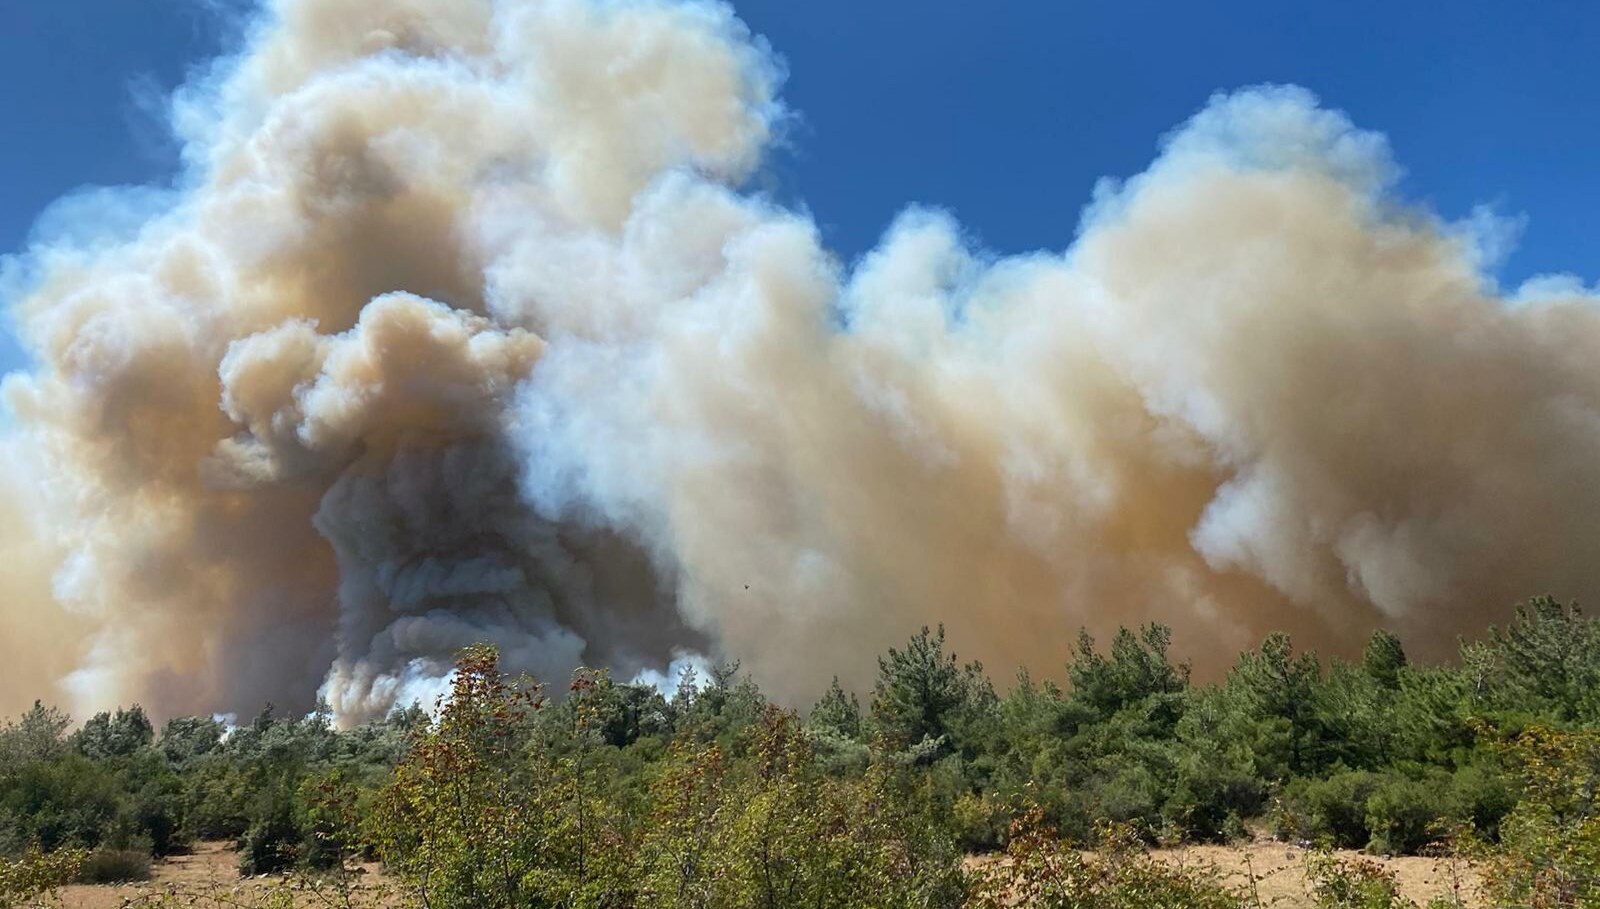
(606, 794)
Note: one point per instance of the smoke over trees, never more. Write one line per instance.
(462, 326)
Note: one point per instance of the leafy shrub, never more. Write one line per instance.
(779, 834)
(1404, 814)
(65, 801)
(1333, 809)
(839, 755)
(1211, 796)
(115, 866)
(1130, 796)
(980, 822)
(1359, 884)
(1387, 812)
(467, 821)
(328, 815)
(1550, 843)
(1041, 872)
(270, 846)
(1481, 795)
(36, 873)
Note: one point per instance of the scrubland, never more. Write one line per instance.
(1290, 782)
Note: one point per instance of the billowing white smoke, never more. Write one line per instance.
(459, 329)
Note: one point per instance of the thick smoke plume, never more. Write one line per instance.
(459, 328)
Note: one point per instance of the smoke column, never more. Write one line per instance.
(460, 327)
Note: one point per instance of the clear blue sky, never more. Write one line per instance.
(1004, 112)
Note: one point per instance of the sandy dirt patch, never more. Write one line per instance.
(1280, 879)
(208, 878)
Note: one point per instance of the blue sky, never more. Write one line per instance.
(1004, 112)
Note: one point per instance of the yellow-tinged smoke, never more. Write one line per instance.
(459, 329)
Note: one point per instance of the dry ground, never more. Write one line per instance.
(1278, 870)
(209, 878)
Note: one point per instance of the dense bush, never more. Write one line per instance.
(1341, 884)
(1550, 853)
(1332, 809)
(271, 844)
(1040, 871)
(618, 794)
(507, 802)
(33, 873)
(114, 866)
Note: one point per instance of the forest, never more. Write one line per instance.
(939, 788)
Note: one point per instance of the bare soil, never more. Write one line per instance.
(208, 878)
(1279, 872)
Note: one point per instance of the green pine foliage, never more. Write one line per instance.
(609, 794)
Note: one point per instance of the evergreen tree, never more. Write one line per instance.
(1383, 659)
(1279, 687)
(917, 691)
(108, 735)
(185, 738)
(1137, 668)
(838, 712)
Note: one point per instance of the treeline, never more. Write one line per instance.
(613, 794)
(116, 787)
